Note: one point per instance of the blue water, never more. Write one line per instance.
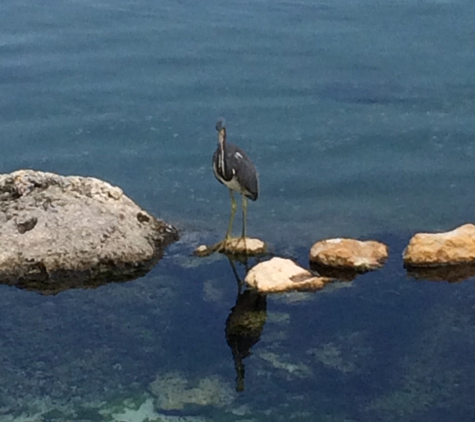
(359, 118)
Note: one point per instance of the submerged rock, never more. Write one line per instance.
(60, 232)
(173, 391)
(145, 412)
(349, 254)
(283, 275)
(289, 370)
(435, 249)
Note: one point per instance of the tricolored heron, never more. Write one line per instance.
(234, 169)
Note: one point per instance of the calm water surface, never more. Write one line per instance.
(359, 117)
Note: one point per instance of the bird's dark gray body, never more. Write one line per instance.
(233, 168)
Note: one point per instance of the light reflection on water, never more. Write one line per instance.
(359, 117)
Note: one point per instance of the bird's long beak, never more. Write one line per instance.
(222, 136)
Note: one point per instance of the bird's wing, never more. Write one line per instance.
(244, 171)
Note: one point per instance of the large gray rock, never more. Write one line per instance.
(59, 232)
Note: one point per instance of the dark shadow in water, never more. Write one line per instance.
(45, 283)
(450, 273)
(348, 274)
(38, 279)
(244, 324)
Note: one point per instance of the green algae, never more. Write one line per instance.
(213, 291)
(345, 353)
(287, 366)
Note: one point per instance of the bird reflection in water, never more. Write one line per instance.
(244, 324)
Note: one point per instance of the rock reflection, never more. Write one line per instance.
(244, 324)
(450, 273)
(40, 280)
(342, 274)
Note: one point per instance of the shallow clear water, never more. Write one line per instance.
(359, 118)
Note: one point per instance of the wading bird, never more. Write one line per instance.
(234, 169)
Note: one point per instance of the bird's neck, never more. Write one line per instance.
(222, 137)
(222, 140)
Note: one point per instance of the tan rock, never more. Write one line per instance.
(247, 246)
(283, 275)
(449, 248)
(349, 253)
(235, 246)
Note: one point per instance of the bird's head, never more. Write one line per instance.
(221, 128)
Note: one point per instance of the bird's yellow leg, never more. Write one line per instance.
(231, 220)
(244, 215)
(222, 246)
(244, 221)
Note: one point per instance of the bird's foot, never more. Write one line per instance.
(233, 246)
(222, 247)
(203, 250)
(226, 246)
